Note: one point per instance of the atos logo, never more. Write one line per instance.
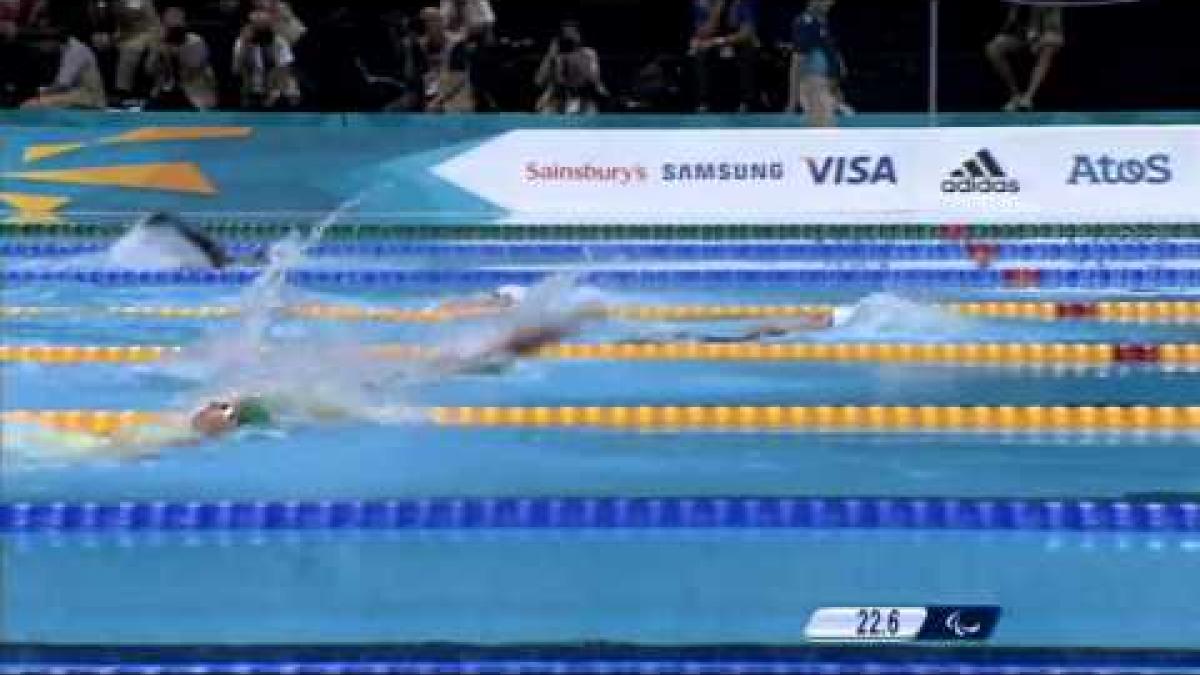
(852, 170)
(1108, 170)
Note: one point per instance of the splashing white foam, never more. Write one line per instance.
(885, 316)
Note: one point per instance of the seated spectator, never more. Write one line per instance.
(283, 20)
(817, 65)
(183, 77)
(569, 75)
(78, 83)
(725, 35)
(1037, 29)
(263, 62)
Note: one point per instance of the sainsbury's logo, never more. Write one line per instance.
(536, 172)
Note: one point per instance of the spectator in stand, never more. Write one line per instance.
(427, 57)
(465, 19)
(817, 65)
(1038, 29)
(133, 29)
(447, 69)
(283, 20)
(569, 75)
(725, 35)
(183, 77)
(263, 64)
(78, 83)
(473, 23)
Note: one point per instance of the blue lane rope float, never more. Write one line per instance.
(610, 513)
(723, 660)
(1094, 278)
(770, 661)
(1138, 251)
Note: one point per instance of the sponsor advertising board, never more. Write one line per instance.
(1003, 174)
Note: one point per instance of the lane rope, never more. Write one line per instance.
(882, 251)
(608, 513)
(1167, 311)
(1031, 354)
(1030, 419)
(1019, 277)
(271, 228)
(713, 660)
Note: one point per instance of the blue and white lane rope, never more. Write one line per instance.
(609, 513)
(1028, 251)
(1128, 278)
(850, 664)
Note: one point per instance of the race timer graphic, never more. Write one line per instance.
(931, 623)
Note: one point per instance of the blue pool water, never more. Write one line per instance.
(1057, 589)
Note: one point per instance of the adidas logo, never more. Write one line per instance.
(980, 173)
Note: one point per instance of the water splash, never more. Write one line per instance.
(886, 316)
(305, 375)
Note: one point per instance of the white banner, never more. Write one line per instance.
(1000, 174)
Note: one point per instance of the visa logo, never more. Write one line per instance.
(853, 170)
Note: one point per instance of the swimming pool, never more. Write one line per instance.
(1119, 581)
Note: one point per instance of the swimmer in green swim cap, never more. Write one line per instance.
(223, 416)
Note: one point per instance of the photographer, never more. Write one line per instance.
(283, 20)
(569, 75)
(263, 62)
(183, 77)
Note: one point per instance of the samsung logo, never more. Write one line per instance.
(723, 171)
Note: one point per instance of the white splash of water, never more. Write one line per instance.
(885, 316)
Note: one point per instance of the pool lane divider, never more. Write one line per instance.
(1033, 355)
(266, 228)
(1036, 419)
(1166, 311)
(881, 251)
(1129, 278)
(601, 513)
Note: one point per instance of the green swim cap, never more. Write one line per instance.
(253, 412)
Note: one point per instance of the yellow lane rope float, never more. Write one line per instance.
(1003, 354)
(1005, 419)
(1132, 312)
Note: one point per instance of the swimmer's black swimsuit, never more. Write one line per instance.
(216, 254)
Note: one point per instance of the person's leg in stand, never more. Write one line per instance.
(1046, 50)
(818, 100)
(999, 52)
